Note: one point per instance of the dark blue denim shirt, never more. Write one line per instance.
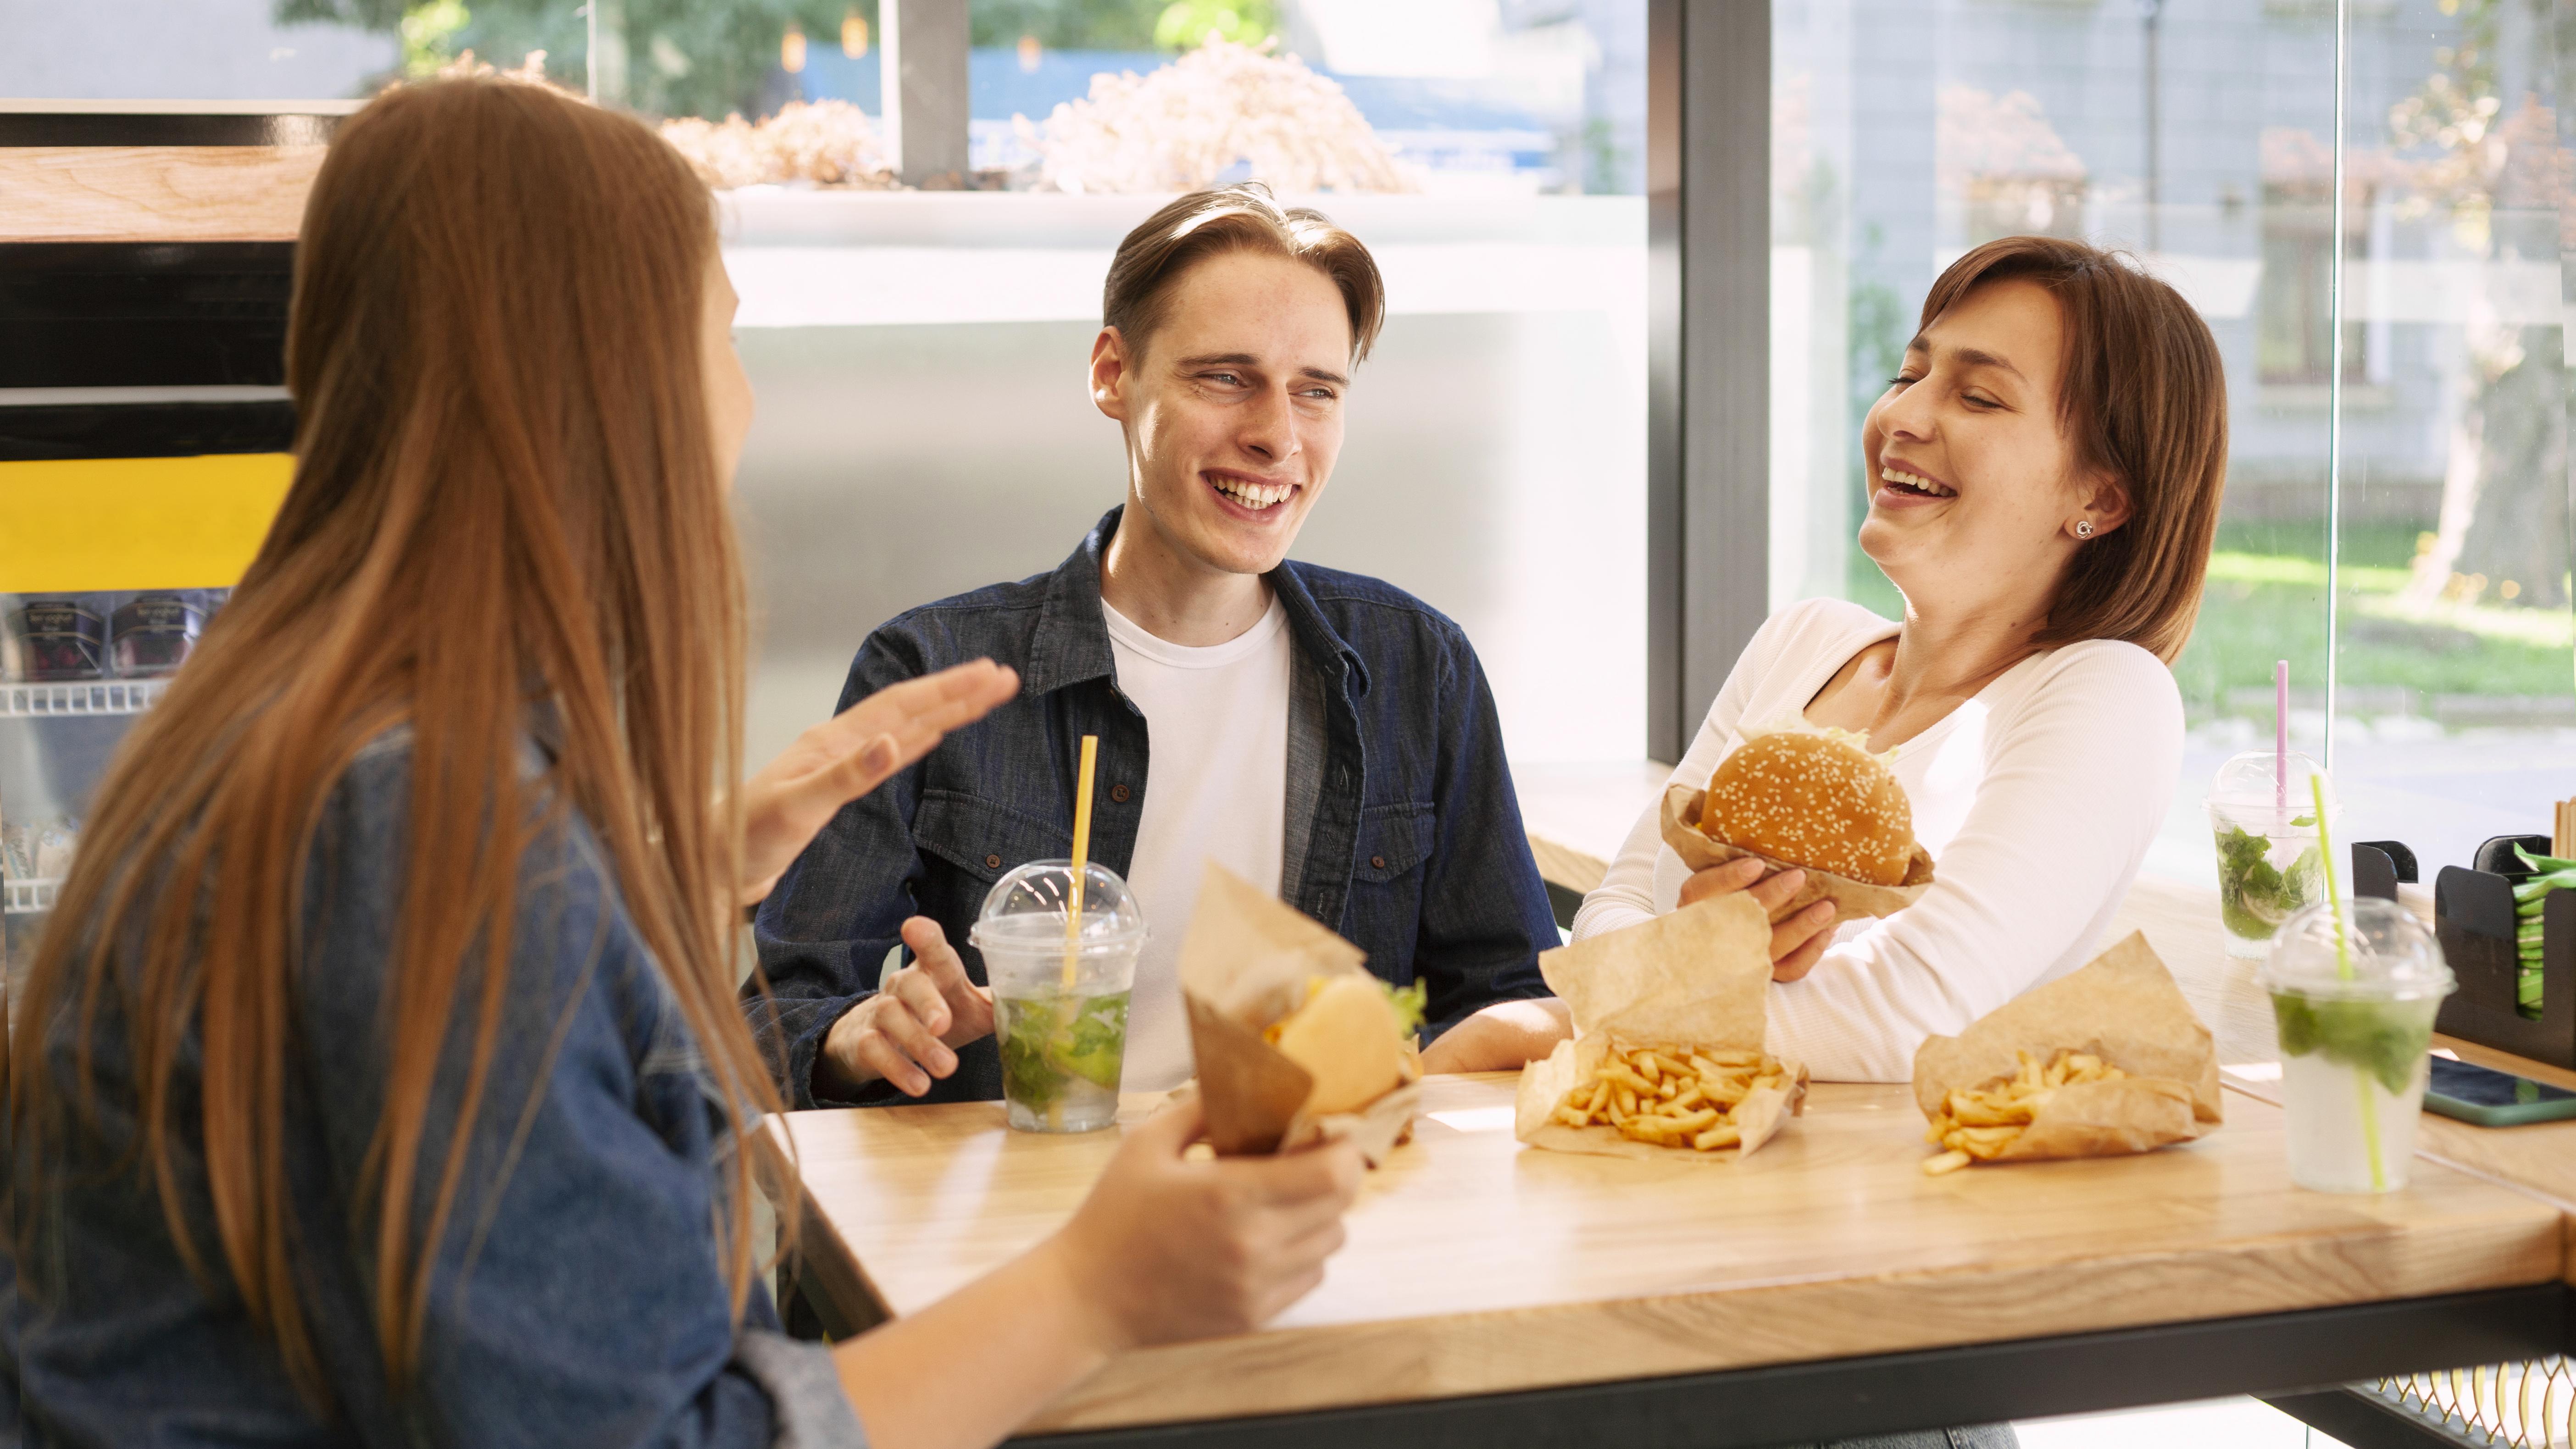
(580, 1298)
(1403, 830)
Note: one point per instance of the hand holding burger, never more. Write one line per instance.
(1809, 799)
(1798, 940)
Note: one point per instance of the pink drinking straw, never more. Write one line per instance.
(2281, 735)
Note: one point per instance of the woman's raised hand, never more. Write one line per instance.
(1798, 940)
(852, 753)
(1168, 1248)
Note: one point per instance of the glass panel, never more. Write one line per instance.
(2456, 706)
(196, 50)
(920, 358)
(2191, 132)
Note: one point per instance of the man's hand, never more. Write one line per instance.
(852, 753)
(909, 1032)
(1167, 1248)
(1798, 940)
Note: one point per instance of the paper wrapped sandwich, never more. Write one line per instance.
(2105, 1061)
(1295, 1042)
(1667, 1059)
(1810, 797)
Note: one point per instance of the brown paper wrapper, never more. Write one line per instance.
(2123, 1007)
(1243, 965)
(1696, 979)
(1853, 899)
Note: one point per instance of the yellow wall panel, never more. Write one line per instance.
(136, 523)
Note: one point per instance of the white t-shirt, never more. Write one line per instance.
(1216, 788)
(2037, 799)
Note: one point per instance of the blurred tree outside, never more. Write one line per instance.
(2501, 174)
(710, 57)
(1184, 24)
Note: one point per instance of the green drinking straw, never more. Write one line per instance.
(2343, 971)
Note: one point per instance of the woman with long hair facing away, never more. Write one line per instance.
(379, 1079)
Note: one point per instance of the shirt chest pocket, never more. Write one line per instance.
(1394, 841)
(982, 838)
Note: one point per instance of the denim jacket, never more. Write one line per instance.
(579, 1299)
(1403, 831)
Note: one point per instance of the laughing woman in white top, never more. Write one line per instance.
(2048, 467)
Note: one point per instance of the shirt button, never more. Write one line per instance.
(1118, 794)
(1377, 862)
(992, 862)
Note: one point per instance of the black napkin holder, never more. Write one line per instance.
(2474, 921)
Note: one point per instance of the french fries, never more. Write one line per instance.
(1670, 1096)
(1976, 1124)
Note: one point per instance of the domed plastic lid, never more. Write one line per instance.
(1027, 908)
(2252, 779)
(2392, 953)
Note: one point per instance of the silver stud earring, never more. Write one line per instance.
(2084, 528)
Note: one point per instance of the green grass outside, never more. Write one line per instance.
(2265, 600)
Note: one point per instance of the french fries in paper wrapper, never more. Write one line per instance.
(1853, 899)
(2105, 1061)
(1668, 1020)
(1249, 964)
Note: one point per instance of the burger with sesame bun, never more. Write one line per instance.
(1813, 797)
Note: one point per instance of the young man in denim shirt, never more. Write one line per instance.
(1325, 735)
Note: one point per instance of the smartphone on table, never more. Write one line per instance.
(2489, 1098)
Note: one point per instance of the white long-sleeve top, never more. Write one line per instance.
(2037, 799)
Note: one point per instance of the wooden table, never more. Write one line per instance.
(1825, 1287)
(1493, 1295)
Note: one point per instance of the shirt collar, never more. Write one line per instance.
(1071, 644)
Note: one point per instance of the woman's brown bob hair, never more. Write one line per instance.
(1239, 218)
(2144, 396)
(506, 520)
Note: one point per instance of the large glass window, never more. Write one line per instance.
(920, 342)
(920, 356)
(2203, 136)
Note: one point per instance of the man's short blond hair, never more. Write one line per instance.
(1244, 217)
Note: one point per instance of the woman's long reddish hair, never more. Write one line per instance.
(505, 496)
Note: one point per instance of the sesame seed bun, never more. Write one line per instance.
(1815, 798)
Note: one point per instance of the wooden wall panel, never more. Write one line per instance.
(154, 193)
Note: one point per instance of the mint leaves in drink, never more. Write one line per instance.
(1054, 1040)
(2256, 896)
(2384, 1038)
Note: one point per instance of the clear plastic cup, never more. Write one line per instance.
(1059, 1005)
(2270, 866)
(2356, 1032)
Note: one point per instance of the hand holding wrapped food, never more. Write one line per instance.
(2104, 1061)
(1294, 1040)
(1810, 798)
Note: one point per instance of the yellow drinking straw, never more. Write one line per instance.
(2343, 972)
(1081, 852)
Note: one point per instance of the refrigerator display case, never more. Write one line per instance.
(144, 428)
(75, 669)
